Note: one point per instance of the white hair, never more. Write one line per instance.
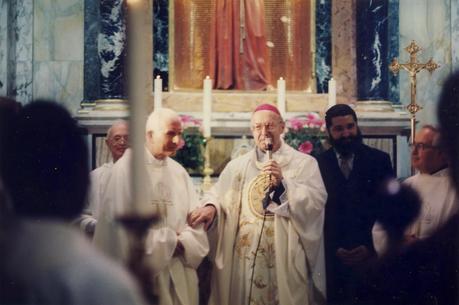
(116, 123)
(157, 119)
(436, 131)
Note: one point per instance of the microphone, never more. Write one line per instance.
(269, 150)
(269, 147)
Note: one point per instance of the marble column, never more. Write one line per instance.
(372, 49)
(92, 73)
(111, 47)
(393, 50)
(3, 46)
(323, 45)
(455, 34)
(161, 40)
(344, 50)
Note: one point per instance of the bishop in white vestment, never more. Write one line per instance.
(271, 255)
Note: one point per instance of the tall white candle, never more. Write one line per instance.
(281, 95)
(331, 92)
(139, 84)
(207, 106)
(158, 92)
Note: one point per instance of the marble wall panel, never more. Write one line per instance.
(58, 56)
(344, 50)
(60, 81)
(455, 34)
(429, 24)
(323, 45)
(3, 46)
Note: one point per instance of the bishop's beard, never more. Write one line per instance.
(347, 146)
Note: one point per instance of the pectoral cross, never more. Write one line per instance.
(413, 67)
(161, 199)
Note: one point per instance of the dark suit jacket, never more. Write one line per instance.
(350, 207)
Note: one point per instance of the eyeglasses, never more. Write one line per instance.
(118, 139)
(422, 146)
(269, 127)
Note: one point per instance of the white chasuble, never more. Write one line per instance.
(289, 264)
(170, 192)
(254, 253)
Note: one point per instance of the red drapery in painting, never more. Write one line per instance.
(232, 66)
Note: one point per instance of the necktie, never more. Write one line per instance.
(345, 168)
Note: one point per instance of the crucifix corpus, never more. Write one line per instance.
(413, 67)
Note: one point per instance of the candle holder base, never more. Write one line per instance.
(137, 227)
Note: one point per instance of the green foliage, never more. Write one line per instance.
(191, 155)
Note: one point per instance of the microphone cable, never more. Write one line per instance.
(269, 148)
(255, 258)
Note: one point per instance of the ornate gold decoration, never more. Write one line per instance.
(257, 191)
(290, 27)
(413, 67)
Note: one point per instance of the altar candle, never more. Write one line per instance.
(207, 106)
(281, 96)
(331, 92)
(158, 92)
(138, 70)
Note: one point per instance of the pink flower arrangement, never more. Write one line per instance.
(190, 121)
(306, 133)
(309, 120)
(306, 147)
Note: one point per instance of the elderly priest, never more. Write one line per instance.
(174, 249)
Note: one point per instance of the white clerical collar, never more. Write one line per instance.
(150, 159)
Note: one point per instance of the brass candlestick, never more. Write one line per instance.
(208, 171)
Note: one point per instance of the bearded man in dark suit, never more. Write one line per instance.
(352, 173)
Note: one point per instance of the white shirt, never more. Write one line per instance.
(439, 203)
(98, 182)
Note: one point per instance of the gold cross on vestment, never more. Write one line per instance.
(413, 67)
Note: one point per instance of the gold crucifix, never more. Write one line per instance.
(413, 67)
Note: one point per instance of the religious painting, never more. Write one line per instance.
(242, 44)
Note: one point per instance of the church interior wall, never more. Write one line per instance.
(58, 51)
(429, 23)
(43, 45)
